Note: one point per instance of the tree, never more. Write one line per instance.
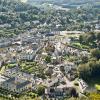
(99, 17)
(40, 90)
(48, 59)
(84, 59)
(98, 36)
(88, 28)
(50, 47)
(91, 37)
(84, 71)
(95, 53)
(89, 70)
(81, 39)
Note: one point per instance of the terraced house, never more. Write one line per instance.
(16, 84)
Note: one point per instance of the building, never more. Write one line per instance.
(68, 66)
(16, 84)
(97, 26)
(5, 42)
(27, 55)
(49, 70)
(51, 82)
(35, 46)
(27, 23)
(56, 59)
(2, 79)
(6, 25)
(57, 93)
(36, 22)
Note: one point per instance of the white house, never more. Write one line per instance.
(51, 82)
(68, 66)
(16, 84)
(27, 55)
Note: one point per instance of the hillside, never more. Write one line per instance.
(13, 5)
(64, 1)
(17, 17)
(13, 14)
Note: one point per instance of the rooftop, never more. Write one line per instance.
(18, 82)
(3, 78)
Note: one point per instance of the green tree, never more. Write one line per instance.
(84, 71)
(81, 39)
(48, 59)
(91, 37)
(98, 36)
(95, 53)
(40, 90)
(84, 59)
(89, 70)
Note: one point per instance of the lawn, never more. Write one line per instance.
(32, 68)
(29, 67)
(80, 46)
(11, 65)
(97, 87)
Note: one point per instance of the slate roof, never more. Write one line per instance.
(19, 85)
(22, 84)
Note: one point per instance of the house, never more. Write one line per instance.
(57, 93)
(53, 92)
(49, 70)
(27, 23)
(68, 66)
(15, 72)
(2, 79)
(27, 55)
(38, 58)
(97, 26)
(50, 34)
(84, 53)
(83, 85)
(16, 84)
(1, 61)
(56, 59)
(27, 39)
(36, 22)
(5, 42)
(70, 70)
(35, 46)
(13, 59)
(51, 82)
(5, 25)
(71, 32)
(58, 75)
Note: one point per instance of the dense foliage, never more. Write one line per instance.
(91, 67)
(91, 39)
(17, 17)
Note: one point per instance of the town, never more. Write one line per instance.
(28, 61)
(48, 51)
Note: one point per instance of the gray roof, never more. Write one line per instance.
(11, 79)
(20, 85)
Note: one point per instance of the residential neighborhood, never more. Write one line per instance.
(49, 50)
(60, 74)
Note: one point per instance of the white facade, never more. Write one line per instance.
(69, 66)
(15, 84)
(28, 55)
